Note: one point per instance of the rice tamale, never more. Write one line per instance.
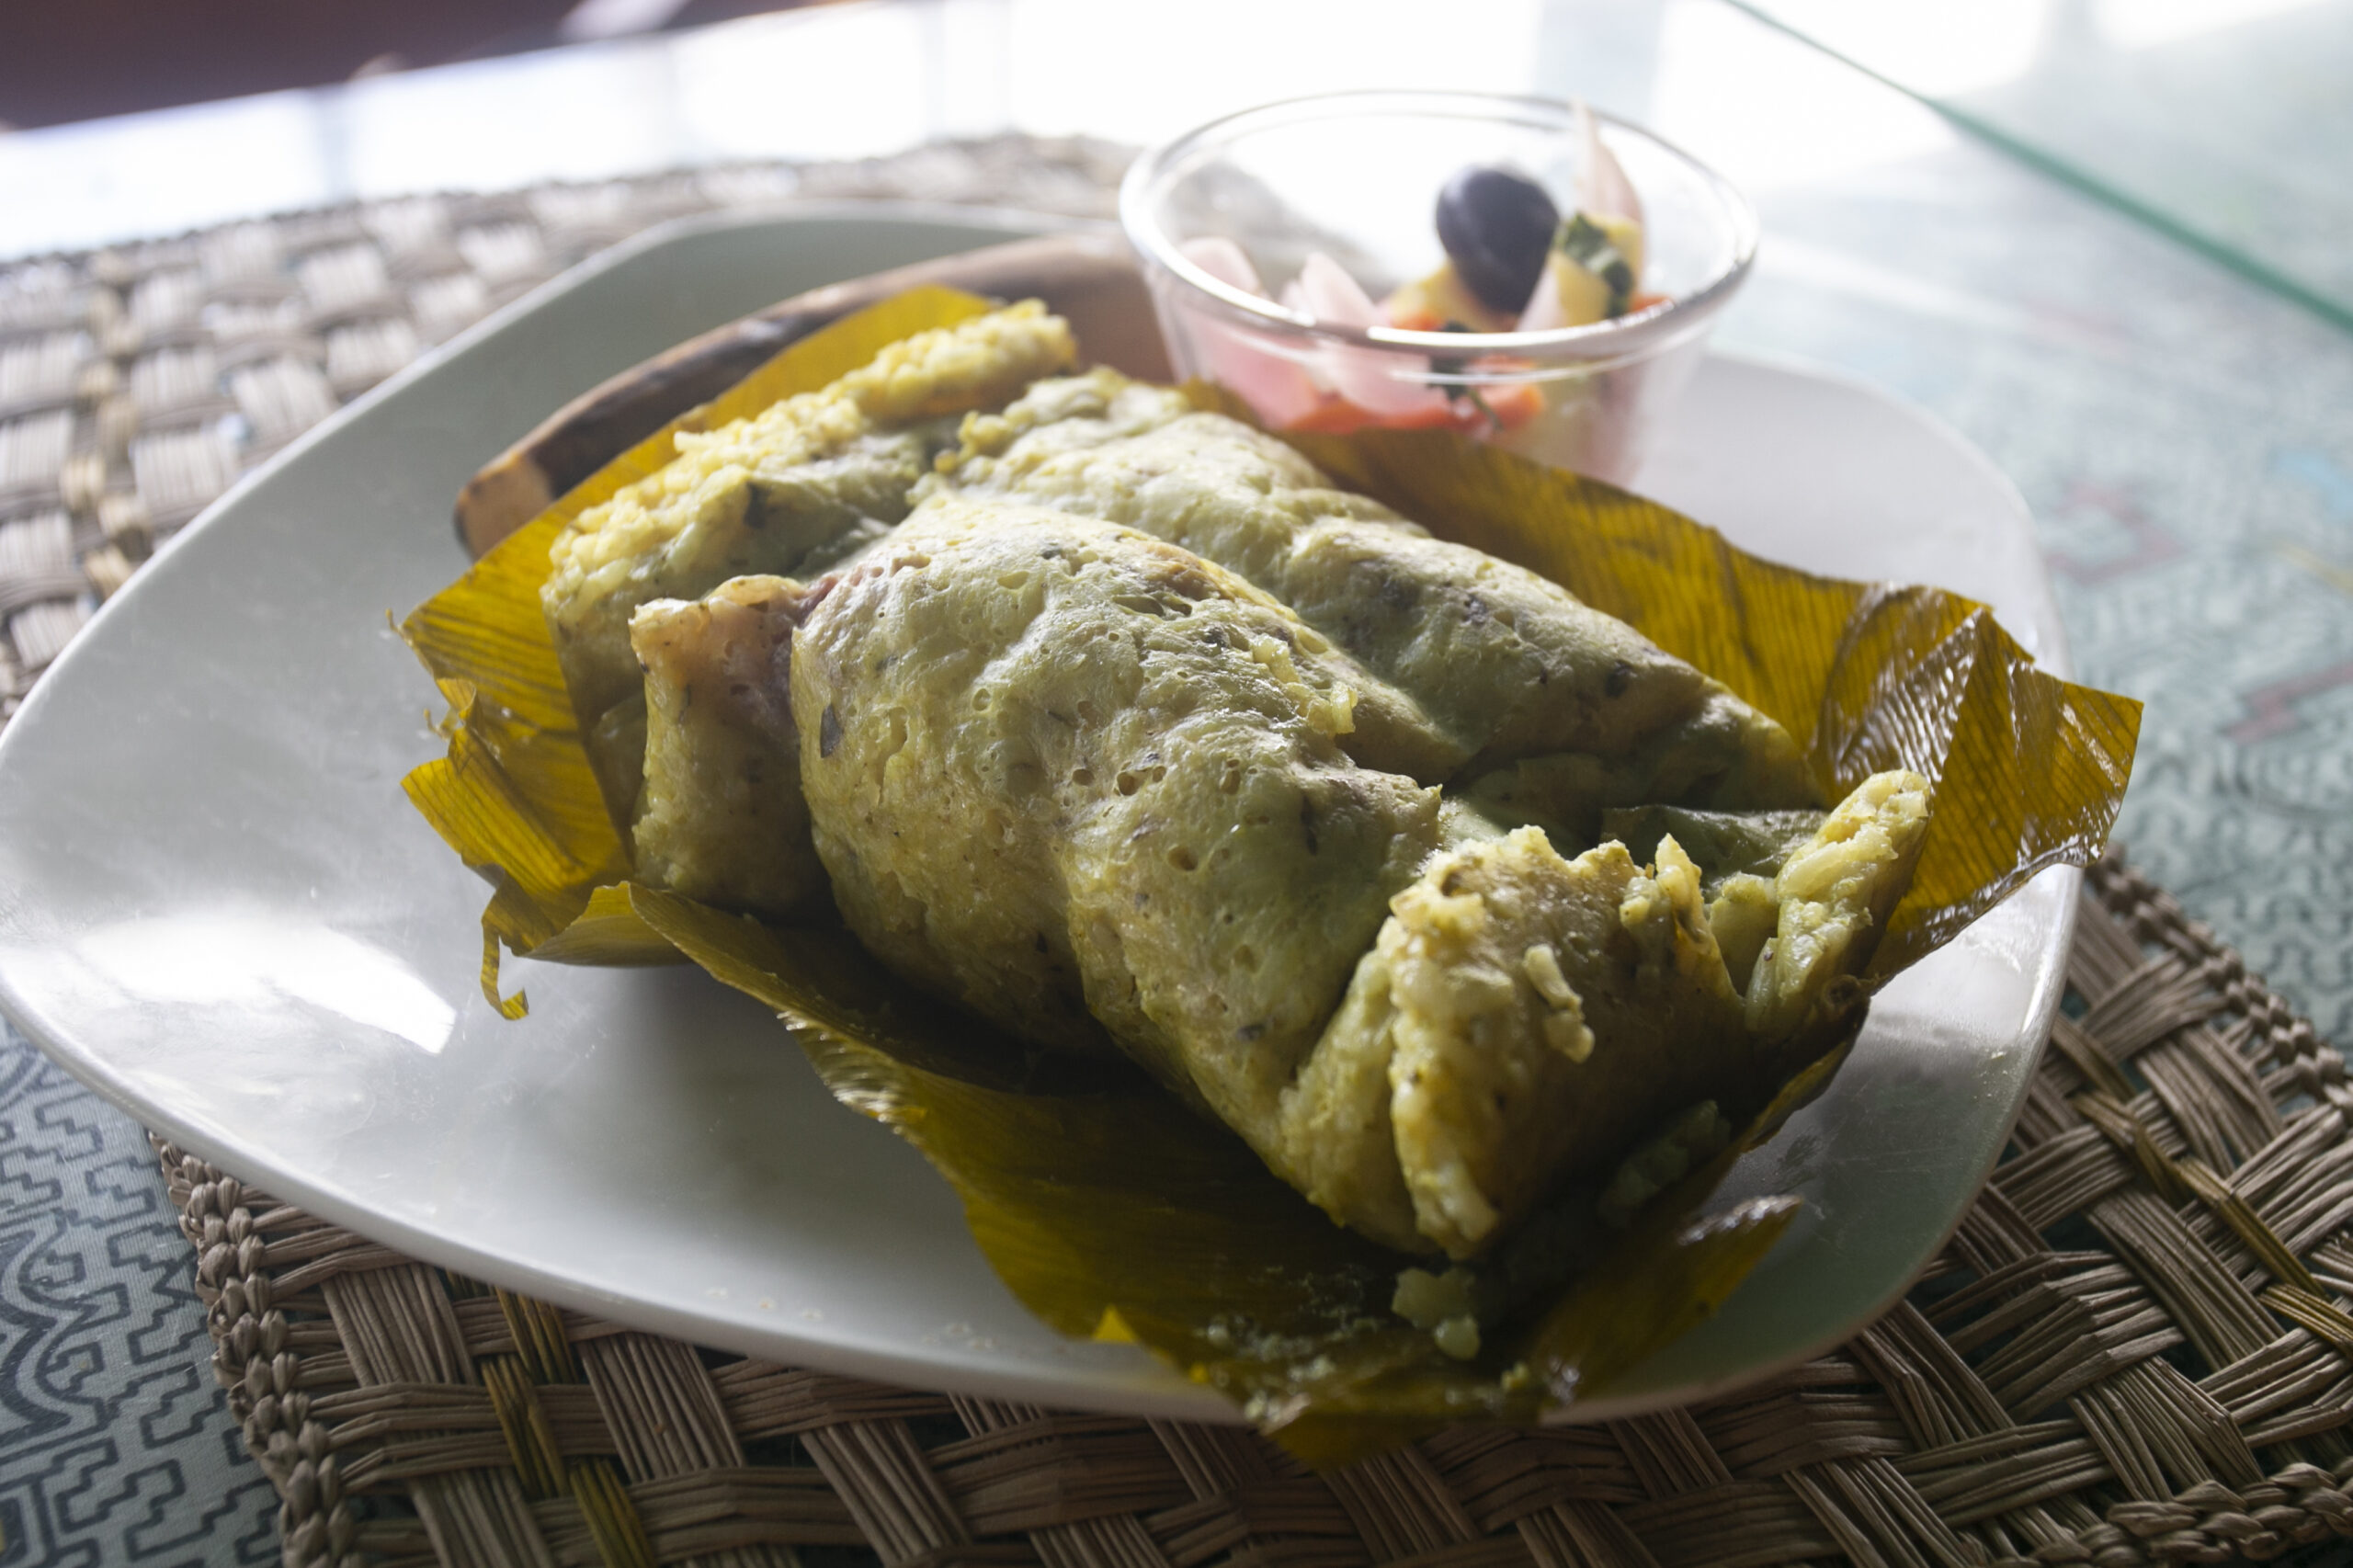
(1110, 1209)
(1136, 731)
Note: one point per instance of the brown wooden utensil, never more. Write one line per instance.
(1088, 278)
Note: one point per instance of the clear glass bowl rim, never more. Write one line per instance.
(1633, 336)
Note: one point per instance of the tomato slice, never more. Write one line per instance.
(1514, 404)
(1508, 405)
(1414, 318)
(1338, 416)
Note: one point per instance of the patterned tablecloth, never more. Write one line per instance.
(2186, 447)
(2226, 121)
(2184, 443)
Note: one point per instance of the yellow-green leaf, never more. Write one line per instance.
(1106, 1206)
(2029, 769)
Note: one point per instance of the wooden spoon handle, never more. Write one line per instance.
(1088, 278)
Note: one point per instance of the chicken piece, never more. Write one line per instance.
(721, 818)
(1066, 772)
(1743, 915)
(1738, 854)
(1834, 895)
(787, 491)
(1502, 664)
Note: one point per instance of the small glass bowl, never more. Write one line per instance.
(1357, 175)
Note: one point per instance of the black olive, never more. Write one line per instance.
(1496, 227)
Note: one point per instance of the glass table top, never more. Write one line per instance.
(2227, 124)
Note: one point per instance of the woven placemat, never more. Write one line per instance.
(2134, 1350)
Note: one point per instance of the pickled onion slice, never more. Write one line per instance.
(1367, 378)
(1603, 188)
(1225, 261)
(1251, 364)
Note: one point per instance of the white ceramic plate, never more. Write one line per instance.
(217, 908)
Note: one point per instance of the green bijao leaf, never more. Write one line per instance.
(1108, 1208)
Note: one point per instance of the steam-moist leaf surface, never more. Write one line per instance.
(1107, 1208)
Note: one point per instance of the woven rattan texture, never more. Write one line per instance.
(137, 384)
(2135, 1350)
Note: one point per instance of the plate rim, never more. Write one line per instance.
(1154, 1390)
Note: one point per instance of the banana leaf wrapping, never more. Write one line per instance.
(1110, 1210)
